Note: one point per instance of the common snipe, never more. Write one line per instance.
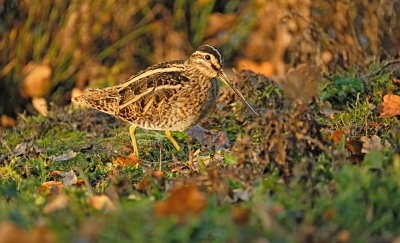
(168, 96)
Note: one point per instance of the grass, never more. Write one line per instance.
(325, 197)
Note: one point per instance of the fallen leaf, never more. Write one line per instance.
(26, 148)
(265, 68)
(7, 121)
(58, 203)
(390, 106)
(371, 144)
(302, 82)
(144, 184)
(63, 157)
(121, 161)
(208, 138)
(37, 81)
(101, 202)
(69, 178)
(55, 187)
(354, 146)
(40, 104)
(336, 136)
(240, 195)
(183, 200)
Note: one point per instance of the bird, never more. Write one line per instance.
(170, 96)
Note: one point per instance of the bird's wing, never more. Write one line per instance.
(162, 80)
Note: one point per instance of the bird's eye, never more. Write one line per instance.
(207, 57)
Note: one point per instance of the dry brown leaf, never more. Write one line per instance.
(12, 233)
(69, 178)
(355, 147)
(40, 104)
(265, 68)
(63, 157)
(121, 161)
(58, 203)
(7, 121)
(183, 200)
(37, 81)
(240, 195)
(390, 106)
(370, 144)
(208, 138)
(100, 202)
(302, 82)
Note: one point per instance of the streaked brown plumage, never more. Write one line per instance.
(169, 96)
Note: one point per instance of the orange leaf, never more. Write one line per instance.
(336, 136)
(390, 106)
(183, 200)
(143, 184)
(158, 175)
(121, 161)
(55, 187)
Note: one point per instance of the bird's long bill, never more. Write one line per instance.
(242, 98)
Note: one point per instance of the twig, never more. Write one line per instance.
(396, 61)
(7, 147)
(159, 160)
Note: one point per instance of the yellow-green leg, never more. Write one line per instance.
(169, 136)
(133, 138)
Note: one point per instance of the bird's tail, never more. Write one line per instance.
(100, 99)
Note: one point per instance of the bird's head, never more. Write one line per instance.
(207, 61)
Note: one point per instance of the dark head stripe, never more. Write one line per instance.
(212, 51)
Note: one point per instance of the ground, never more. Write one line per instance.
(323, 167)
